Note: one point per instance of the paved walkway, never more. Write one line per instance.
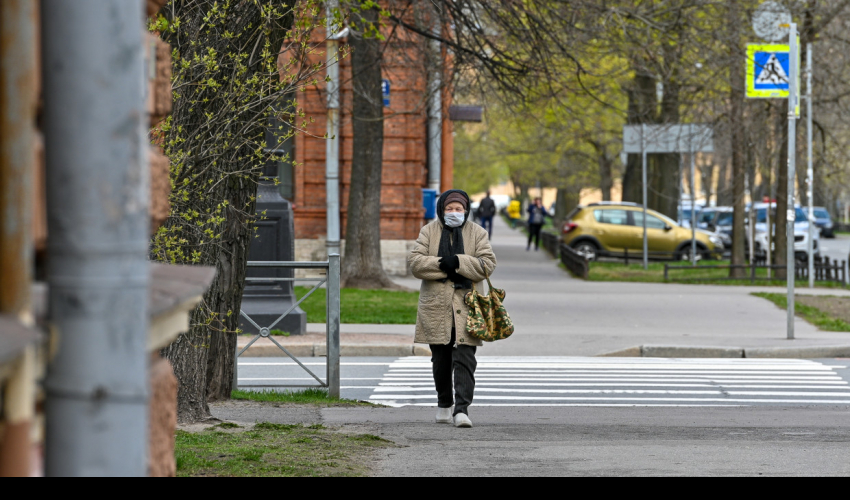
(557, 315)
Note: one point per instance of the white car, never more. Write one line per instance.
(801, 232)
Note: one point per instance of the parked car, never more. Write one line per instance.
(614, 228)
(718, 220)
(686, 212)
(824, 222)
(801, 231)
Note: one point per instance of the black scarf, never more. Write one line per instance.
(451, 241)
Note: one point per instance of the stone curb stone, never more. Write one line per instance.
(631, 352)
(658, 351)
(348, 350)
(813, 352)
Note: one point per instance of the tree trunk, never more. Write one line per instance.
(213, 203)
(663, 181)
(606, 171)
(362, 266)
(641, 109)
(780, 240)
(736, 119)
(707, 175)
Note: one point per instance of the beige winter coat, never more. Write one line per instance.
(440, 305)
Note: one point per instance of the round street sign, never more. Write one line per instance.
(771, 20)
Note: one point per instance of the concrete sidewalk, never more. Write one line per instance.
(557, 315)
(556, 441)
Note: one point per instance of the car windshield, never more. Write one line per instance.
(761, 215)
(724, 219)
(706, 216)
(821, 213)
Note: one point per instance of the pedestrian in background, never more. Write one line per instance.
(451, 256)
(486, 211)
(514, 211)
(536, 218)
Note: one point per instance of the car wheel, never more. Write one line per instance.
(685, 254)
(587, 250)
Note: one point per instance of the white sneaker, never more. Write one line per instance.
(462, 421)
(444, 415)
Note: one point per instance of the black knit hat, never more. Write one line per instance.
(452, 195)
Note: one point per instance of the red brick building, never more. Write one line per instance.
(405, 157)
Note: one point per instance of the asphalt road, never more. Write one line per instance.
(593, 438)
(574, 381)
(837, 248)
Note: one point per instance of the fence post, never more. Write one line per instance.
(665, 272)
(627, 257)
(333, 326)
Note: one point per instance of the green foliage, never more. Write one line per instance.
(236, 68)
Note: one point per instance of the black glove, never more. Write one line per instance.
(461, 280)
(449, 264)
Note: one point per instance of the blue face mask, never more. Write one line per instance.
(455, 219)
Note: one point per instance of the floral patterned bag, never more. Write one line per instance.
(488, 319)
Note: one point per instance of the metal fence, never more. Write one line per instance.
(826, 270)
(331, 279)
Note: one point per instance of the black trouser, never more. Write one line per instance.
(534, 234)
(460, 360)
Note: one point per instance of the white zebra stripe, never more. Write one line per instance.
(625, 382)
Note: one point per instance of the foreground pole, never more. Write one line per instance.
(97, 190)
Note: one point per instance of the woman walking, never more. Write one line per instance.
(536, 218)
(450, 257)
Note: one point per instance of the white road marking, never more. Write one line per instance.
(627, 382)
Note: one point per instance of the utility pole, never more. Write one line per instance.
(791, 215)
(435, 108)
(98, 191)
(332, 145)
(693, 198)
(643, 175)
(810, 174)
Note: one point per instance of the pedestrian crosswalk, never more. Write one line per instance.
(563, 381)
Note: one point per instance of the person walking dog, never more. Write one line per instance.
(451, 256)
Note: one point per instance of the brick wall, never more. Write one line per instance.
(405, 149)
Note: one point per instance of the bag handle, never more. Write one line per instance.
(486, 274)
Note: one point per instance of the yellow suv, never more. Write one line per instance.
(612, 229)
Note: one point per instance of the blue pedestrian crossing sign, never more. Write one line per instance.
(768, 70)
(385, 92)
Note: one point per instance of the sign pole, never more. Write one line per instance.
(791, 216)
(693, 200)
(643, 176)
(810, 172)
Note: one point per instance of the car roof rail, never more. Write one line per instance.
(614, 204)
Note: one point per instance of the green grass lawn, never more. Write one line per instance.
(274, 450)
(363, 306)
(634, 272)
(309, 396)
(823, 312)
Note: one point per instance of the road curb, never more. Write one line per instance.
(349, 350)
(716, 352)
